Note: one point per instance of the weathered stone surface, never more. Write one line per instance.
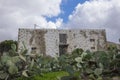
(46, 41)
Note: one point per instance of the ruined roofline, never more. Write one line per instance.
(61, 29)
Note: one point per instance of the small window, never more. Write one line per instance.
(33, 48)
(92, 47)
(92, 40)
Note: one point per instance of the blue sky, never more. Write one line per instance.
(67, 7)
(71, 14)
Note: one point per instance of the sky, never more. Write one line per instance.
(59, 14)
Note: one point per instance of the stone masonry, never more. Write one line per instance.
(58, 41)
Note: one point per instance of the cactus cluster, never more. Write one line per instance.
(81, 65)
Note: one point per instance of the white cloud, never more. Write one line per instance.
(38, 7)
(91, 14)
(24, 13)
(98, 14)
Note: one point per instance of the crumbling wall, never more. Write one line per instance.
(37, 40)
(46, 41)
(81, 39)
(32, 39)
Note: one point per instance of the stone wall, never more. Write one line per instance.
(46, 41)
(33, 39)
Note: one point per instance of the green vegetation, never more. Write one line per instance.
(79, 65)
(46, 76)
(5, 46)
